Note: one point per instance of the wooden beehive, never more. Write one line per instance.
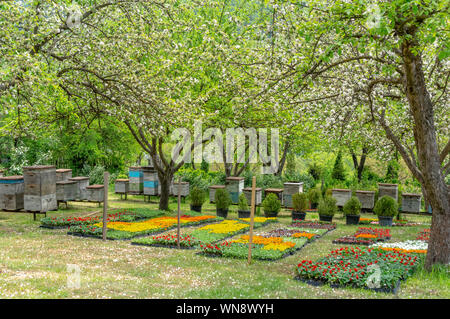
(136, 177)
(367, 199)
(122, 186)
(341, 196)
(95, 193)
(82, 183)
(388, 190)
(291, 188)
(235, 186)
(184, 189)
(151, 181)
(258, 195)
(63, 174)
(40, 188)
(66, 191)
(212, 192)
(11, 192)
(276, 191)
(411, 203)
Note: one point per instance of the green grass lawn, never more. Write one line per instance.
(33, 264)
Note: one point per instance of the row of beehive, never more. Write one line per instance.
(410, 202)
(40, 188)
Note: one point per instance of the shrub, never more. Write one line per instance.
(271, 204)
(327, 206)
(353, 206)
(386, 206)
(198, 196)
(243, 204)
(222, 198)
(300, 202)
(314, 195)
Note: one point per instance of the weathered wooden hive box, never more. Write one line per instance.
(235, 185)
(212, 192)
(367, 199)
(341, 195)
(151, 181)
(291, 188)
(95, 193)
(40, 188)
(11, 192)
(258, 195)
(136, 177)
(388, 190)
(276, 191)
(184, 189)
(66, 191)
(122, 186)
(82, 183)
(411, 202)
(63, 174)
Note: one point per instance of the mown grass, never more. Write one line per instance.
(33, 264)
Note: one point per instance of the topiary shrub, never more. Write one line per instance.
(271, 205)
(386, 206)
(352, 206)
(198, 196)
(300, 202)
(327, 206)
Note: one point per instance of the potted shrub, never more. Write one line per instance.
(271, 205)
(223, 202)
(198, 197)
(352, 209)
(386, 208)
(300, 205)
(327, 208)
(314, 196)
(243, 209)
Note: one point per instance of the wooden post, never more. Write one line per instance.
(105, 202)
(179, 212)
(252, 220)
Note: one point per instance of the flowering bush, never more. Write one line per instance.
(358, 267)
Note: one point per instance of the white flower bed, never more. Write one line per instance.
(408, 245)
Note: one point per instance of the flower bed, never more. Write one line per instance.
(410, 246)
(361, 268)
(270, 246)
(127, 230)
(424, 235)
(365, 236)
(313, 225)
(117, 215)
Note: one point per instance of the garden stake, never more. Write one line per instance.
(252, 218)
(178, 217)
(105, 202)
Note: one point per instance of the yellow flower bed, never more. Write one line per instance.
(227, 226)
(269, 243)
(258, 219)
(153, 224)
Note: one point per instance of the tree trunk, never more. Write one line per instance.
(428, 155)
(165, 180)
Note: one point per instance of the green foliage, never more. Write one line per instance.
(222, 198)
(386, 206)
(197, 196)
(352, 206)
(314, 195)
(338, 172)
(327, 206)
(243, 204)
(271, 204)
(300, 202)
